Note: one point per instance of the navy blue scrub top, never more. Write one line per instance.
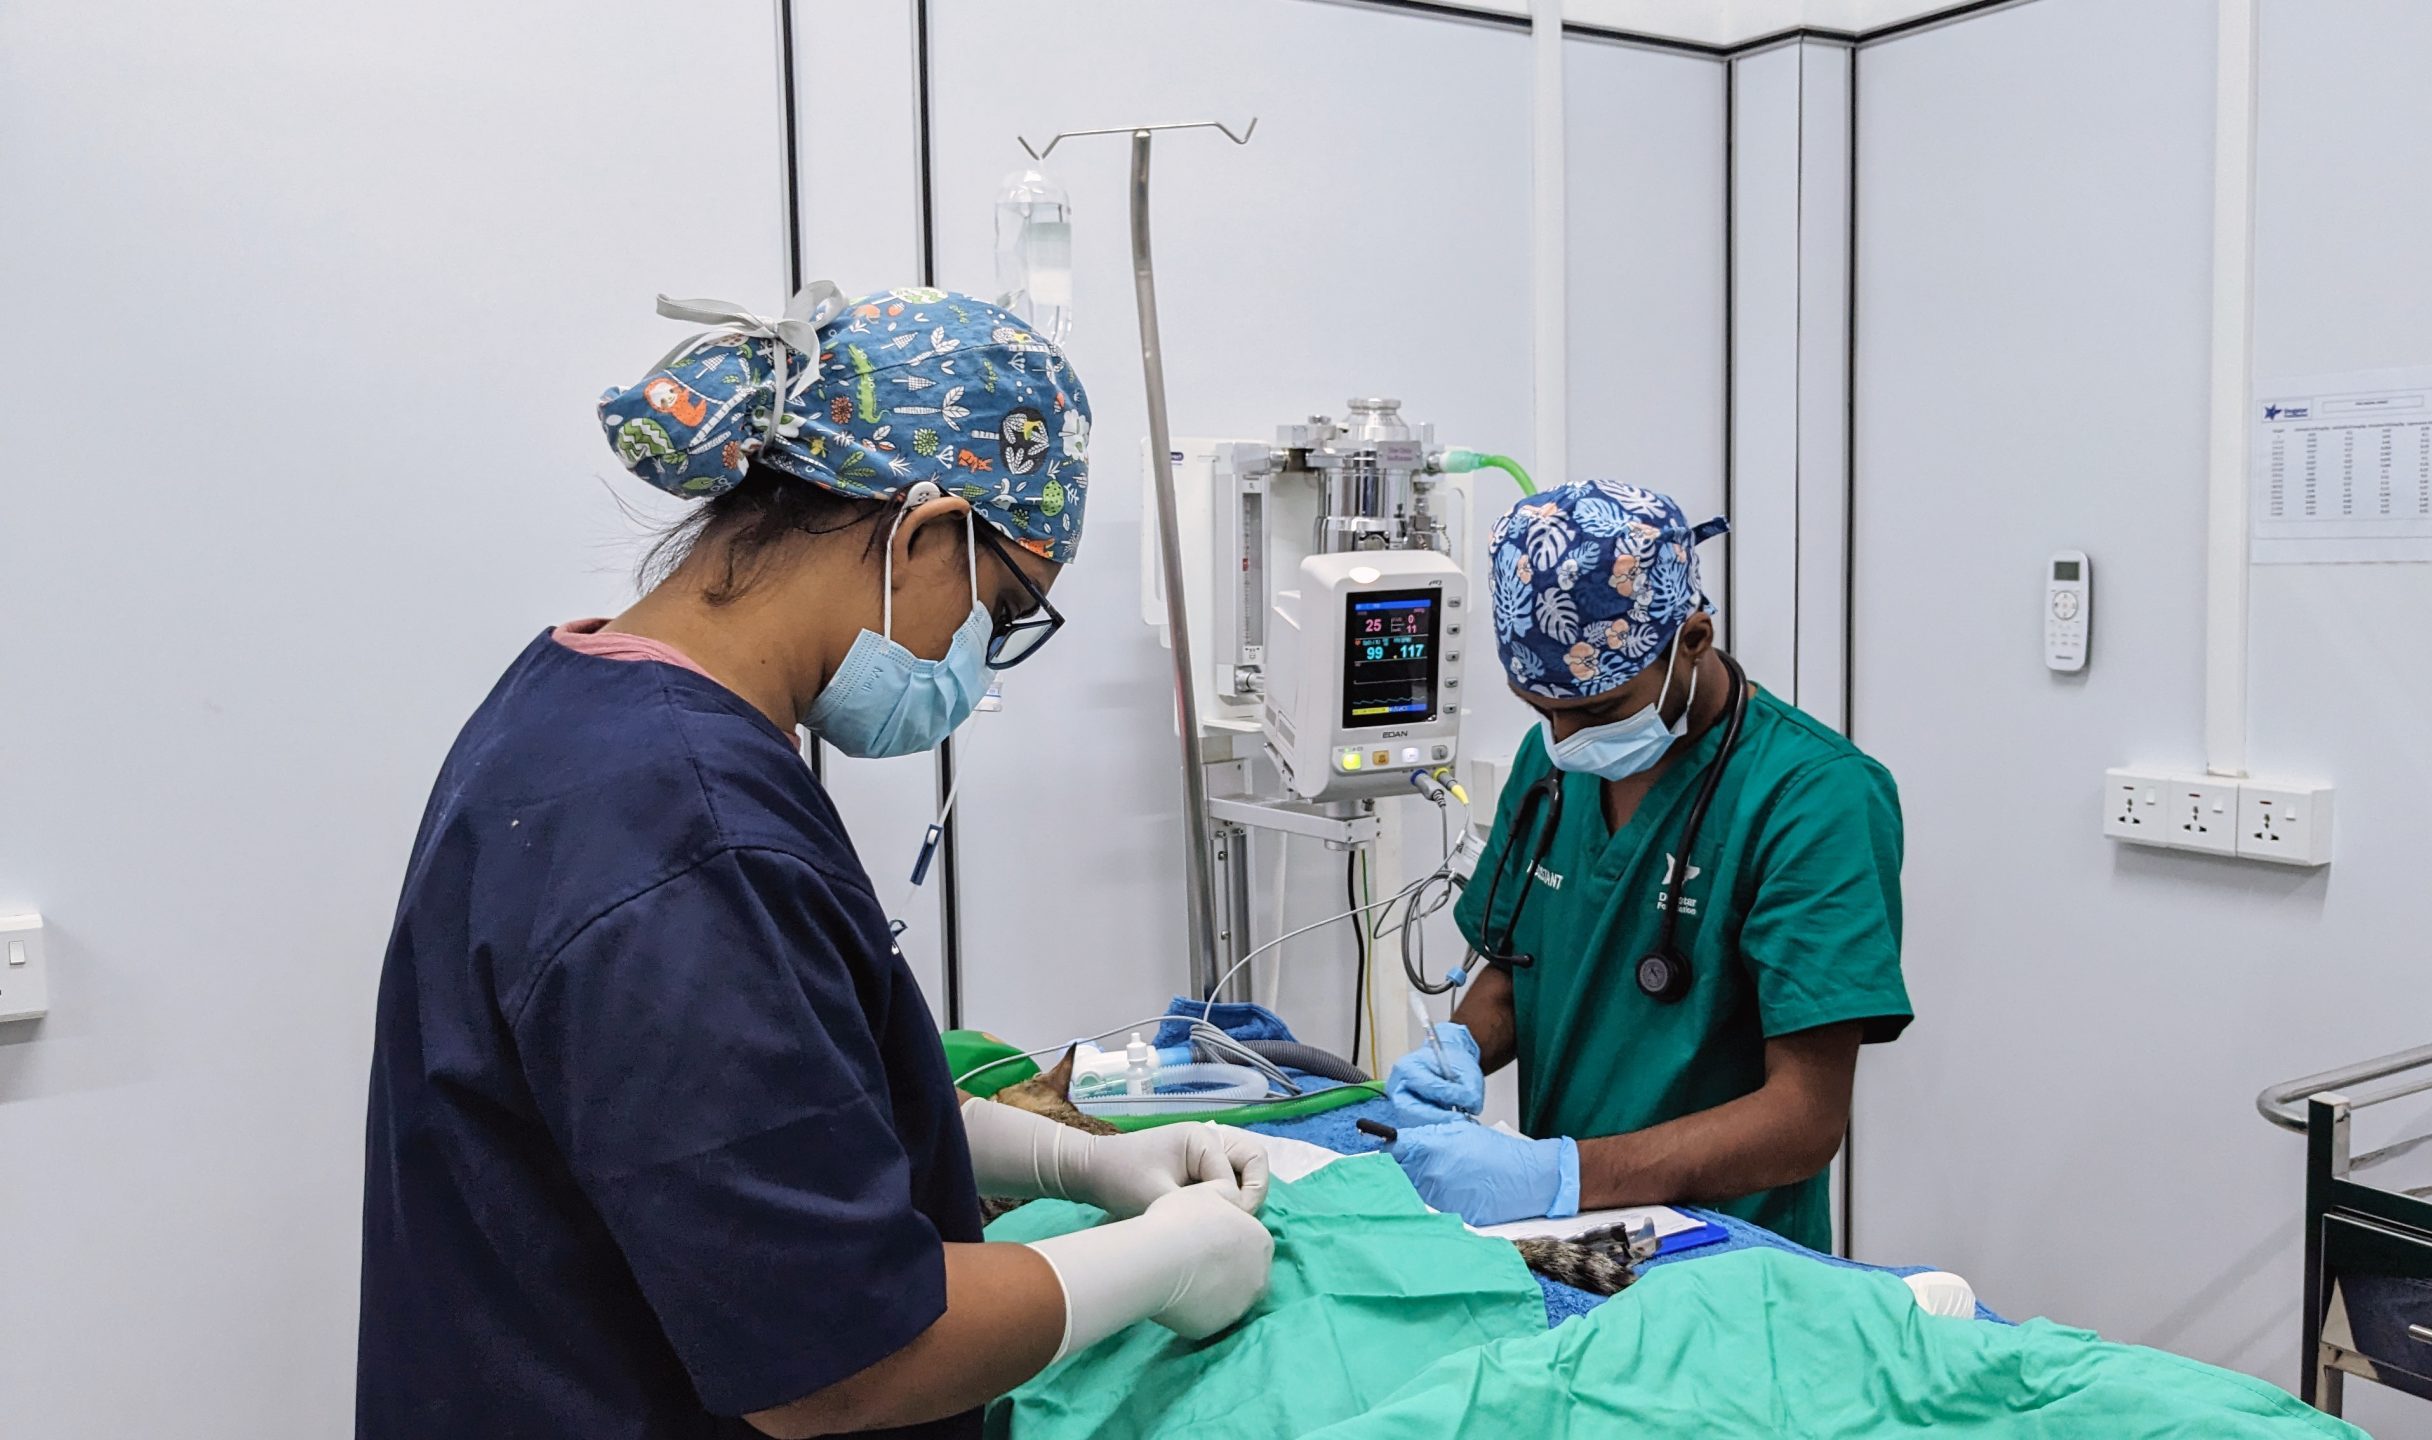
(661, 1132)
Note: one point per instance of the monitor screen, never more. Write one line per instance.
(1389, 659)
(2064, 569)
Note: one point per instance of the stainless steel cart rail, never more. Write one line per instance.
(2368, 1252)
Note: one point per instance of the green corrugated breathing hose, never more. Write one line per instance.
(1462, 461)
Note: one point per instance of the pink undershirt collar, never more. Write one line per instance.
(588, 637)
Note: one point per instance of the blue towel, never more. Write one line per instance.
(1237, 1018)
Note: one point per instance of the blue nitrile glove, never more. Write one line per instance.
(1424, 1092)
(1487, 1176)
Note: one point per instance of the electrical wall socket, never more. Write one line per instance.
(2200, 812)
(2182, 812)
(2284, 824)
(2179, 812)
(25, 992)
(2132, 807)
(2254, 820)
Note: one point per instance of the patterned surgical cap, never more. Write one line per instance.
(908, 385)
(1591, 579)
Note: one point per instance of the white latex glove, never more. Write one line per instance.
(1125, 1174)
(1194, 1262)
(1018, 1154)
(1438, 1084)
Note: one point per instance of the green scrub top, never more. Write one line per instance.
(1790, 917)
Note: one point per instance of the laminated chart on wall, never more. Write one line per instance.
(2342, 468)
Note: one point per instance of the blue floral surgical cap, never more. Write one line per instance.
(1591, 579)
(878, 394)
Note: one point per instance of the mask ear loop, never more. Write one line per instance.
(971, 552)
(971, 560)
(886, 581)
(1686, 710)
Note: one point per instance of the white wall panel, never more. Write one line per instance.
(1646, 274)
(1790, 371)
(2070, 1121)
(2032, 361)
(1760, 607)
(2340, 675)
(856, 109)
(1822, 487)
(321, 299)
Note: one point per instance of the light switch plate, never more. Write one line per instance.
(25, 991)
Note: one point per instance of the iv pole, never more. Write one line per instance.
(1202, 917)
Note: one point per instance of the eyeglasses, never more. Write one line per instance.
(1016, 640)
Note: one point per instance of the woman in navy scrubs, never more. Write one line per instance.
(662, 1141)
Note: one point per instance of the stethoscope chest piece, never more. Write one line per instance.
(1664, 975)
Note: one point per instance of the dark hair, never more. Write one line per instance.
(747, 526)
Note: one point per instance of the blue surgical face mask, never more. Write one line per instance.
(1625, 747)
(884, 700)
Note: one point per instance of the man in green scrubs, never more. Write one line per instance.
(1731, 1086)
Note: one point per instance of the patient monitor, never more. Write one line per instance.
(1363, 672)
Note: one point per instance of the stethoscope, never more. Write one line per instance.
(1663, 973)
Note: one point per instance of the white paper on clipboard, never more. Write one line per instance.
(1289, 1159)
(1668, 1222)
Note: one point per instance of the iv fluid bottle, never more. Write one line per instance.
(1140, 1069)
(1034, 252)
